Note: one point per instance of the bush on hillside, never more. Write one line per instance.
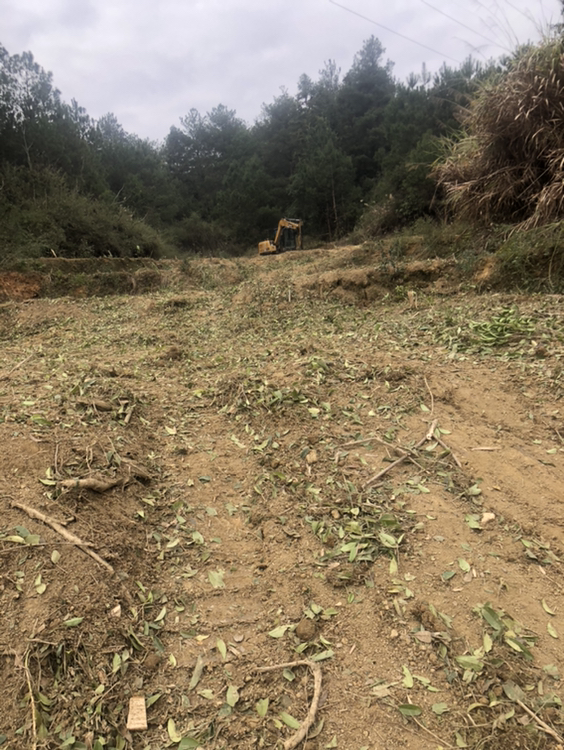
(41, 214)
(194, 235)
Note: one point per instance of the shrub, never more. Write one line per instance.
(40, 214)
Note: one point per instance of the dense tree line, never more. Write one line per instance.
(342, 143)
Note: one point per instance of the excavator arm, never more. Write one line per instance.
(288, 237)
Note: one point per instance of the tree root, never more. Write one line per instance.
(294, 741)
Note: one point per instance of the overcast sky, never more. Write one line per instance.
(150, 61)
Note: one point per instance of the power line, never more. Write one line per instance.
(452, 18)
(501, 21)
(397, 33)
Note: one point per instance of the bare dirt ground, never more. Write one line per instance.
(300, 466)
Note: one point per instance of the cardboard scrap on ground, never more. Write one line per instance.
(137, 718)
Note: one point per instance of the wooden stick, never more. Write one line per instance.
(388, 468)
(90, 483)
(424, 728)
(430, 394)
(306, 724)
(454, 456)
(369, 440)
(357, 442)
(69, 536)
(540, 722)
(428, 436)
(7, 375)
(31, 700)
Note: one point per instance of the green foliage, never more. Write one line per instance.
(199, 155)
(194, 235)
(136, 174)
(344, 146)
(244, 203)
(40, 214)
(366, 91)
(322, 185)
(530, 260)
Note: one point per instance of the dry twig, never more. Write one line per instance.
(388, 468)
(361, 442)
(432, 734)
(102, 484)
(454, 456)
(401, 459)
(15, 367)
(430, 394)
(541, 723)
(69, 536)
(90, 483)
(31, 700)
(294, 741)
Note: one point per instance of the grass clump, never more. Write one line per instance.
(507, 166)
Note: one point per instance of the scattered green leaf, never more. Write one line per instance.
(172, 733)
(470, 662)
(215, 577)
(408, 677)
(409, 709)
(439, 708)
(222, 648)
(262, 707)
(232, 696)
(463, 565)
(547, 608)
(289, 720)
(279, 631)
(73, 622)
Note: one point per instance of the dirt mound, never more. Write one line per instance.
(369, 283)
(19, 286)
(353, 274)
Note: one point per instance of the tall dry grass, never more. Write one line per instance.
(508, 166)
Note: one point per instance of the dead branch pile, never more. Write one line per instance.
(509, 165)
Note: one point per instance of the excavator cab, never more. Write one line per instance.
(288, 237)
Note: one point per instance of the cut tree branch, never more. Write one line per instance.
(90, 483)
(541, 723)
(69, 536)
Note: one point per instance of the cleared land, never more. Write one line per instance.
(242, 416)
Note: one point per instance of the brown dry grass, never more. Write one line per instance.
(509, 164)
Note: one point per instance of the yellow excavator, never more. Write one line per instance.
(288, 237)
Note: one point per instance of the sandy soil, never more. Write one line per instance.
(243, 417)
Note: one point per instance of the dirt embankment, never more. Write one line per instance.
(351, 274)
